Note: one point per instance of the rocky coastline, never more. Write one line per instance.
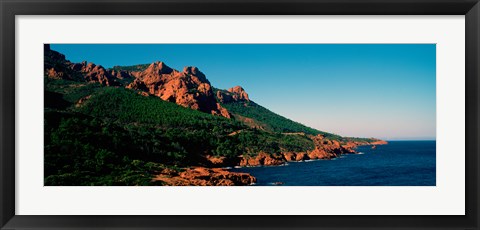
(217, 174)
(324, 149)
(201, 176)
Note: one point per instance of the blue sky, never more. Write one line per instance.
(365, 90)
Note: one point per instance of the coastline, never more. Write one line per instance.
(324, 149)
(400, 163)
(217, 172)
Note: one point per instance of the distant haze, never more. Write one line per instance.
(385, 91)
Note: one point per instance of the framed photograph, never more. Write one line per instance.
(246, 115)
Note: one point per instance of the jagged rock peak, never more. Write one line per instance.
(189, 88)
(57, 67)
(121, 74)
(159, 67)
(239, 93)
(194, 71)
(233, 94)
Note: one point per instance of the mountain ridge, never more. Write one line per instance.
(148, 125)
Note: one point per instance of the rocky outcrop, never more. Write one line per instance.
(121, 74)
(233, 94)
(327, 149)
(350, 146)
(57, 67)
(379, 142)
(239, 93)
(290, 156)
(55, 74)
(221, 111)
(189, 88)
(82, 101)
(93, 73)
(262, 158)
(138, 85)
(324, 149)
(301, 156)
(218, 161)
(200, 176)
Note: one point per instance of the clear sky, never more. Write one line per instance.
(386, 91)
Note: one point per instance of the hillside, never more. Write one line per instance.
(116, 132)
(269, 120)
(249, 112)
(154, 125)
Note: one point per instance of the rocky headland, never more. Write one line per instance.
(324, 149)
(214, 172)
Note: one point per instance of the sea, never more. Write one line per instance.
(399, 163)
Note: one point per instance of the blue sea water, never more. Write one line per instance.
(400, 163)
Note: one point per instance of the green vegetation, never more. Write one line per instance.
(140, 67)
(84, 151)
(360, 139)
(272, 121)
(126, 106)
(72, 91)
(118, 137)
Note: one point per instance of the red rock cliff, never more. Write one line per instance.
(236, 93)
(57, 67)
(200, 176)
(189, 88)
(93, 73)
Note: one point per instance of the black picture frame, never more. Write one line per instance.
(10, 8)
